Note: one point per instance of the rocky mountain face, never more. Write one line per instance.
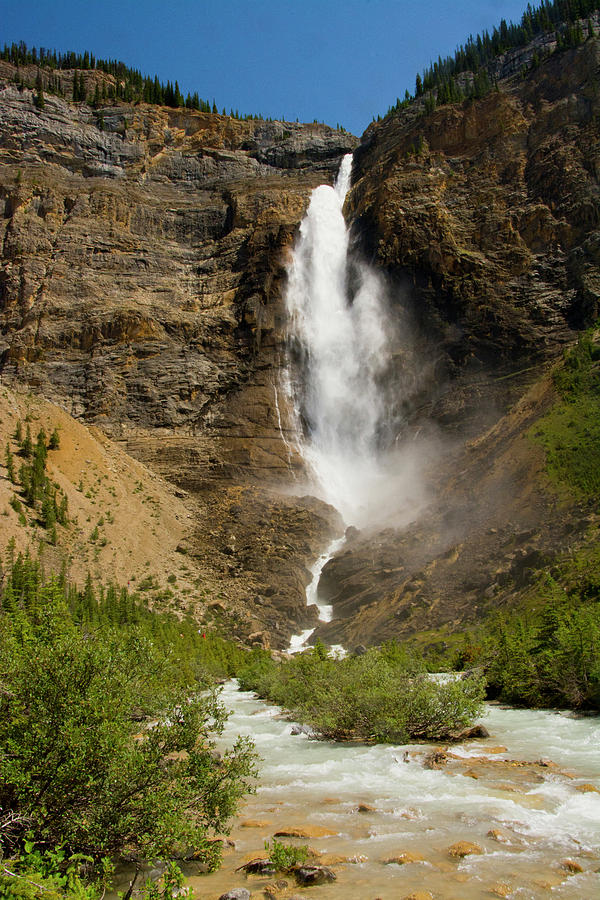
(141, 289)
(143, 254)
(486, 215)
(489, 211)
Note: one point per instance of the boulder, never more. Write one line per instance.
(464, 848)
(307, 831)
(501, 889)
(298, 728)
(274, 888)
(309, 875)
(496, 835)
(257, 867)
(437, 759)
(236, 894)
(468, 734)
(571, 866)
(587, 789)
(404, 858)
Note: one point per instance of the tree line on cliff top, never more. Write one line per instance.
(125, 83)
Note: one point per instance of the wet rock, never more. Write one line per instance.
(501, 889)
(309, 875)
(257, 867)
(411, 813)
(437, 759)
(275, 888)
(236, 894)
(366, 808)
(571, 866)
(404, 859)
(496, 835)
(467, 734)
(464, 848)
(298, 728)
(255, 823)
(587, 789)
(419, 895)
(306, 831)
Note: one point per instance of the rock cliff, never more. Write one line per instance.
(141, 282)
(486, 215)
(490, 210)
(143, 253)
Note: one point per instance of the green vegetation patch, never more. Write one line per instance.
(547, 653)
(383, 695)
(108, 723)
(570, 431)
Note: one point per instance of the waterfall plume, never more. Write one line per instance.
(341, 336)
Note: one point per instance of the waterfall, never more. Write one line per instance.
(339, 335)
(351, 379)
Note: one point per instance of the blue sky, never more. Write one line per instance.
(338, 62)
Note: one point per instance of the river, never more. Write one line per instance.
(528, 820)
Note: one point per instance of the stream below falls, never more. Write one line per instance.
(528, 820)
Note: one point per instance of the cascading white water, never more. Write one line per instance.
(338, 333)
(344, 389)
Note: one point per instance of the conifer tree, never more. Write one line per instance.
(10, 465)
(27, 444)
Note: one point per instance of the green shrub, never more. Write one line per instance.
(78, 769)
(570, 430)
(285, 856)
(379, 696)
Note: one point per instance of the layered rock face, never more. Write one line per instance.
(489, 210)
(141, 287)
(142, 263)
(487, 215)
(143, 253)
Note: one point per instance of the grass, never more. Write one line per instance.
(570, 430)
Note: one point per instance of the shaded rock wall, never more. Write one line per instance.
(490, 210)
